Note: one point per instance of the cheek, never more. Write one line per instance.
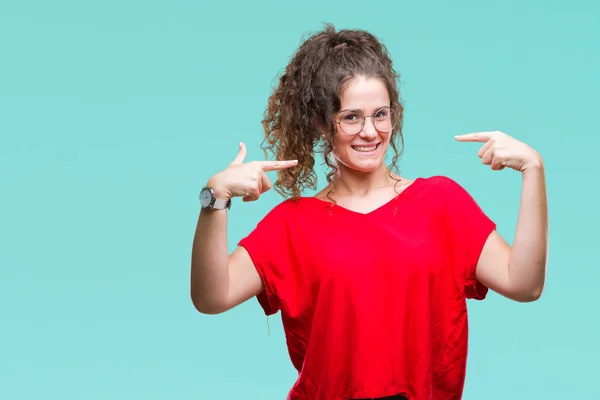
(340, 143)
(386, 140)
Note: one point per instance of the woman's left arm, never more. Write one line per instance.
(518, 273)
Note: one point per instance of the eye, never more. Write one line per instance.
(350, 117)
(382, 114)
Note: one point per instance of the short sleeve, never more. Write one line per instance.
(268, 246)
(468, 228)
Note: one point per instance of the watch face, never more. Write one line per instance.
(205, 197)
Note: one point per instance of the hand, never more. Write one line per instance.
(246, 180)
(500, 151)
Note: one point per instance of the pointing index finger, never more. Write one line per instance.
(474, 137)
(277, 165)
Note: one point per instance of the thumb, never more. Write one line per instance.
(241, 155)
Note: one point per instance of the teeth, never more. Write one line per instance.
(364, 148)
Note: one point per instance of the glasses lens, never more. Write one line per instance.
(351, 122)
(384, 119)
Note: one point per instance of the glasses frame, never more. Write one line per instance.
(393, 114)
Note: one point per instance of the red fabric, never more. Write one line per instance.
(374, 304)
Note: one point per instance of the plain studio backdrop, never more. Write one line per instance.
(114, 114)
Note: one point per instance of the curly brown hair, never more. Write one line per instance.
(300, 111)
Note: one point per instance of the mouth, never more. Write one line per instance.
(366, 149)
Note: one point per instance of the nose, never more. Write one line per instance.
(368, 131)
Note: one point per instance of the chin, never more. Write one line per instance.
(365, 167)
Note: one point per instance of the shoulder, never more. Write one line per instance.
(444, 192)
(441, 181)
(291, 205)
(439, 185)
(289, 209)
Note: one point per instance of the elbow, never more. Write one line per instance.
(206, 307)
(530, 296)
(529, 287)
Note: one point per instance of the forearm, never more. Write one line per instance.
(210, 261)
(528, 258)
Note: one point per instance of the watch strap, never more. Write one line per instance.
(221, 204)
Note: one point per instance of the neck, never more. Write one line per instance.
(356, 183)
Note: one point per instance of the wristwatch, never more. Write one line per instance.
(209, 201)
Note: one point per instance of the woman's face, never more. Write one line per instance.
(364, 151)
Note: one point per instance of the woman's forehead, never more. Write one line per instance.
(365, 94)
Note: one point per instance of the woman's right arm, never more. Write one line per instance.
(219, 280)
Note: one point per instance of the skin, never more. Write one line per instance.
(363, 182)
(518, 273)
(221, 281)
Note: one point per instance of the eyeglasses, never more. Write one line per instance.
(353, 121)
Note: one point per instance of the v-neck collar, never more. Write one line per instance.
(375, 210)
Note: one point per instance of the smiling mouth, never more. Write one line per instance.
(366, 149)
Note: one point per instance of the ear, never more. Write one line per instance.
(320, 128)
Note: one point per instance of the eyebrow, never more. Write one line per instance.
(358, 109)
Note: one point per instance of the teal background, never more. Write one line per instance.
(114, 114)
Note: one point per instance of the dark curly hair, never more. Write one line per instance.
(302, 106)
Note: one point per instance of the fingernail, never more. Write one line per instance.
(240, 145)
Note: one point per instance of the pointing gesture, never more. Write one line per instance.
(501, 150)
(246, 180)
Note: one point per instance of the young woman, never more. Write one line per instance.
(372, 274)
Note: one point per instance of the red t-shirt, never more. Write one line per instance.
(374, 304)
